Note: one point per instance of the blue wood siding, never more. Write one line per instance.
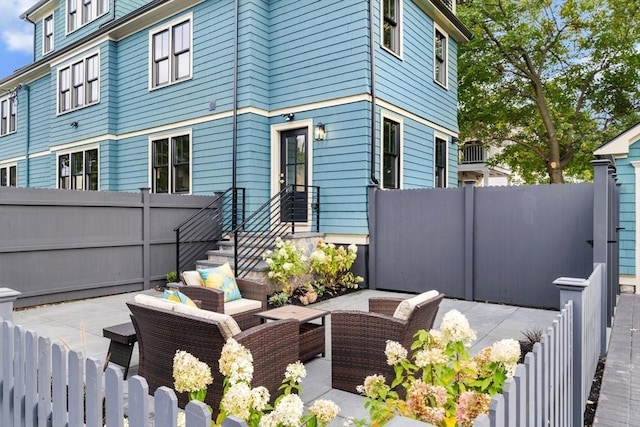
(253, 54)
(42, 171)
(626, 176)
(318, 51)
(409, 83)
(41, 110)
(212, 74)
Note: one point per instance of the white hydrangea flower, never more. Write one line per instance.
(189, 373)
(353, 248)
(395, 352)
(295, 372)
(241, 371)
(260, 398)
(237, 400)
(289, 411)
(232, 351)
(325, 411)
(506, 351)
(455, 327)
(433, 356)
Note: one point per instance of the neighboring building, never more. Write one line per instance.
(194, 96)
(624, 150)
(473, 165)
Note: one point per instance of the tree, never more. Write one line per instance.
(549, 81)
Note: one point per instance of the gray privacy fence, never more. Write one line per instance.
(502, 244)
(42, 385)
(59, 245)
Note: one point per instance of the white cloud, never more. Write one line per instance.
(17, 35)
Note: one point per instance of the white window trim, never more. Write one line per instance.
(400, 120)
(15, 105)
(398, 54)
(169, 135)
(79, 7)
(9, 166)
(69, 65)
(437, 28)
(168, 26)
(437, 135)
(76, 149)
(44, 33)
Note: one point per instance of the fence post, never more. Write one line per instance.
(7, 298)
(600, 229)
(146, 238)
(371, 261)
(572, 289)
(469, 214)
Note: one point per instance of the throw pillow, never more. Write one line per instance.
(406, 307)
(192, 278)
(177, 296)
(221, 278)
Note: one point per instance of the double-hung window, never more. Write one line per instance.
(79, 84)
(8, 176)
(390, 154)
(78, 170)
(391, 25)
(171, 58)
(7, 116)
(47, 34)
(81, 12)
(440, 163)
(440, 58)
(171, 164)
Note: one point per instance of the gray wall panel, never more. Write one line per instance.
(419, 243)
(58, 244)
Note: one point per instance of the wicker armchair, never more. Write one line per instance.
(358, 338)
(161, 332)
(213, 300)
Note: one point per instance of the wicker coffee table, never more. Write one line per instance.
(311, 334)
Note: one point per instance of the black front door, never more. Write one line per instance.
(293, 175)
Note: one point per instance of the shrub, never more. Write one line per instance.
(331, 265)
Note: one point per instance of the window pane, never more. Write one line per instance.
(161, 45)
(77, 164)
(161, 152)
(181, 149)
(91, 166)
(64, 79)
(78, 84)
(13, 176)
(181, 37)
(12, 116)
(92, 67)
(182, 65)
(3, 177)
(181, 179)
(63, 172)
(162, 72)
(3, 117)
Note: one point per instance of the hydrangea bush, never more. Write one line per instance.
(439, 382)
(249, 403)
(326, 270)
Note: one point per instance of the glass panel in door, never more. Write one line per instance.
(293, 175)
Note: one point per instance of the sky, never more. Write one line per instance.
(16, 36)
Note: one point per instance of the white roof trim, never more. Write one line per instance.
(620, 144)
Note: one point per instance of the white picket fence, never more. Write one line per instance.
(43, 385)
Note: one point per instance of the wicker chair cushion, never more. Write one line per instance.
(192, 278)
(406, 307)
(227, 323)
(241, 305)
(221, 278)
(151, 301)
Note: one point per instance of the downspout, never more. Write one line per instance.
(234, 208)
(372, 63)
(27, 148)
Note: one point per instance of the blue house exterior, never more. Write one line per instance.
(624, 150)
(196, 96)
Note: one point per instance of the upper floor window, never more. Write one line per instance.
(8, 176)
(390, 154)
(170, 57)
(81, 12)
(78, 170)
(171, 164)
(79, 84)
(440, 58)
(441, 163)
(47, 34)
(391, 19)
(8, 109)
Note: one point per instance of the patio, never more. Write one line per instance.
(79, 324)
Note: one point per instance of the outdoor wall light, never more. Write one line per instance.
(288, 117)
(319, 132)
(74, 124)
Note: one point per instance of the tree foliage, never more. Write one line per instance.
(549, 81)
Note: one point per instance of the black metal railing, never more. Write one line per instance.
(275, 218)
(203, 230)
